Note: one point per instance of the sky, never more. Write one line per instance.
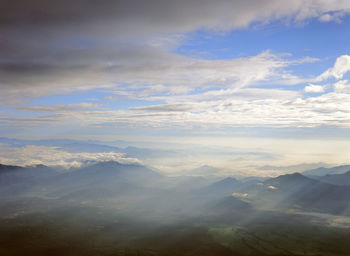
(238, 85)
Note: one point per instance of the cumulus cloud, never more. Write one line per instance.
(340, 68)
(342, 86)
(314, 88)
(53, 156)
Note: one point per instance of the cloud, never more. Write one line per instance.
(60, 107)
(54, 156)
(232, 106)
(272, 187)
(340, 68)
(314, 88)
(335, 16)
(240, 195)
(342, 86)
(330, 109)
(139, 17)
(77, 45)
(147, 70)
(128, 48)
(165, 108)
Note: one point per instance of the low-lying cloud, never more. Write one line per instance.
(54, 156)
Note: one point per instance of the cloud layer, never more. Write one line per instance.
(54, 156)
(66, 46)
(234, 103)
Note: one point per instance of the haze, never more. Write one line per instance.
(218, 120)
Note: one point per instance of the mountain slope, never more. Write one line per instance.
(103, 179)
(15, 180)
(295, 191)
(224, 187)
(324, 171)
(336, 179)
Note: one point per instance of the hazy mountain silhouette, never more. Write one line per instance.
(324, 171)
(15, 180)
(105, 206)
(336, 179)
(300, 192)
(224, 187)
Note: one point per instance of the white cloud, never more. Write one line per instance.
(340, 68)
(53, 156)
(272, 187)
(342, 86)
(335, 16)
(250, 107)
(240, 195)
(314, 88)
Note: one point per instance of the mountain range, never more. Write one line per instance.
(137, 184)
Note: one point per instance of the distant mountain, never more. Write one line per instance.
(294, 168)
(324, 171)
(104, 179)
(224, 187)
(253, 178)
(15, 180)
(134, 185)
(297, 191)
(10, 172)
(94, 181)
(6, 168)
(112, 169)
(228, 206)
(336, 179)
(290, 181)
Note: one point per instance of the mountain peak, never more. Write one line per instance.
(293, 177)
(228, 180)
(324, 171)
(113, 164)
(224, 183)
(4, 166)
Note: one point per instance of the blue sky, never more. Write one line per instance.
(263, 72)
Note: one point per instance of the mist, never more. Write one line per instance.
(110, 208)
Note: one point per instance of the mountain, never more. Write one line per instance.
(25, 173)
(300, 192)
(15, 180)
(8, 168)
(336, 179)
(98, 180)
(110, 176)
(229, 207)
(324, 171)
(224, 187)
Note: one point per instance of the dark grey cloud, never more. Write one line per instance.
(54, 45)
(154, 15)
